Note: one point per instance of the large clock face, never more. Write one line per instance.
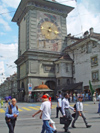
(49, 31)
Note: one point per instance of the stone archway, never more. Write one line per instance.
(51, 84)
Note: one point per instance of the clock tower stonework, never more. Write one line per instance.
(42, 30)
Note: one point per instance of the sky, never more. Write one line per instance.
(86, 14)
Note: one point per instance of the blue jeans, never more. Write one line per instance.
(46, 127)
(11, 125)
(98, 107)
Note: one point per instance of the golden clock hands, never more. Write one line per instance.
(48, 29)
(56, 32)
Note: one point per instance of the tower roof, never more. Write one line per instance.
(24, 7)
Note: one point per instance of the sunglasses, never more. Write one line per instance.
(81, 97)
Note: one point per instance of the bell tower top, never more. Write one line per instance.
(48, 5)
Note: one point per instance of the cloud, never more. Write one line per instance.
(11, 3)
(5, 24)
(2, 33)
(92, 5)
(81, 19)
(8, 55)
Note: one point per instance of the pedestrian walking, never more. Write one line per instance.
(98, 99)
(11, 115)
(79, 112)
(59, 106)
(66, 112)
(94, 97)
(74, 97)
(1, 103)
(46, 112)
(60, 95)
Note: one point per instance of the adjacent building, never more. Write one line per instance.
(85, 53)
(9, 87)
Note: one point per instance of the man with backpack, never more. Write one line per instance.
(79, 112)
(11, 115)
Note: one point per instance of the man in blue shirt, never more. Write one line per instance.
(11, 115)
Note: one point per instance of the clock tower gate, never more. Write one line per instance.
(42, 30)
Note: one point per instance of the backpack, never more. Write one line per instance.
(10, 112)
(74, 106)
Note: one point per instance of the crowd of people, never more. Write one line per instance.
(63, 105)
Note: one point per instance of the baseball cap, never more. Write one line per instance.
(44, 97)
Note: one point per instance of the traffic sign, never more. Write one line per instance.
(29, 87)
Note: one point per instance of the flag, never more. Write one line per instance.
(91, 88)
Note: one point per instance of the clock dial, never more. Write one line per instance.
(49, 30)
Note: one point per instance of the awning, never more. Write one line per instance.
(42, 90)
(74, 86)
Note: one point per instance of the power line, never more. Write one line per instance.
(6, 12)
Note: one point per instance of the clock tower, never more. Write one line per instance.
(42, 30)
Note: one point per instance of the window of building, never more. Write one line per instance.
(66, 67)
(89, 48)
(94, 44)
(48, 68)
(68, 81)
(58, 81)
(94, 61)
(57, 68)
(95, 76)
(83, 49)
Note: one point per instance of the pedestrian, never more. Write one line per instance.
(49, 98)
(11, 115)
(94, 97)
(59, 106)
(1, 103)
(6, 103)
(66, 112)
(60, 95)
(70, 97)
(98, 99)
(9, 101)
(46, 112)
(83, 95)
(74, 97)
(79, 112)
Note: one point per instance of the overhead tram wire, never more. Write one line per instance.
(6, 12)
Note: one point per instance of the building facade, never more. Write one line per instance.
(85, 53)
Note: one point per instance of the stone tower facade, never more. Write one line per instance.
(42, 30)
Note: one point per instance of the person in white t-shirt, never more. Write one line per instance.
(59, 106)
(46, 112)
(79, 112)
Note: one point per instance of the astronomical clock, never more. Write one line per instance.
(49, 32)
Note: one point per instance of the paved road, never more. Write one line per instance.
(27, 124)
